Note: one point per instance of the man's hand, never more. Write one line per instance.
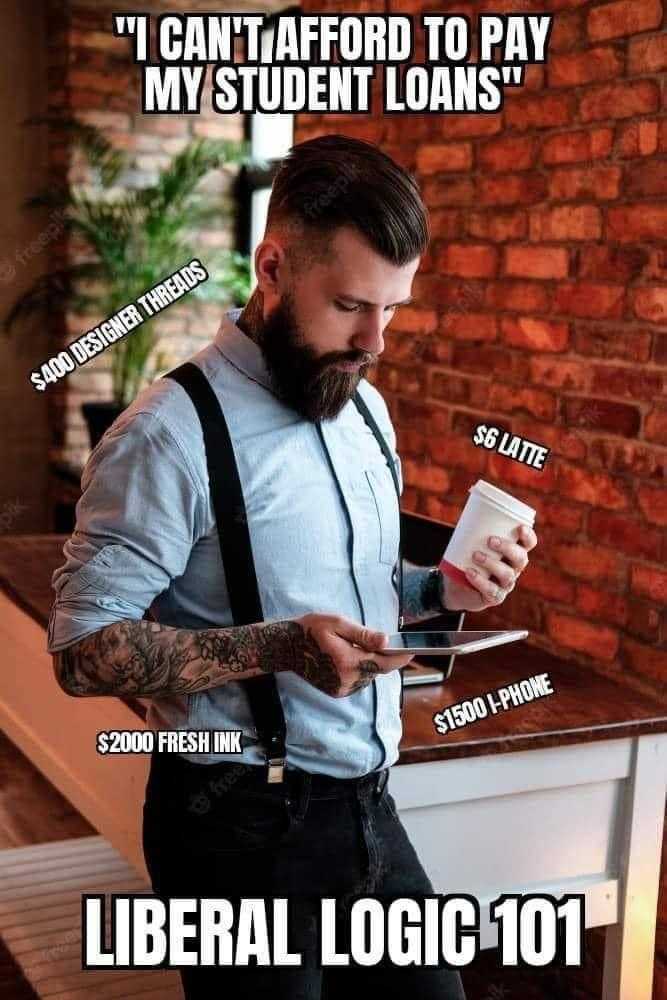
(335, 654)
(492, 577)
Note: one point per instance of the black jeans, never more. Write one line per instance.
(221, 830)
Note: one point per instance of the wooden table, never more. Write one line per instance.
(562, 795)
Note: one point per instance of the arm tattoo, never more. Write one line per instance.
(422, 593)
(147, 658)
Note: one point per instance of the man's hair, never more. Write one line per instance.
(334, 181)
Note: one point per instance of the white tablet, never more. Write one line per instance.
(443, 643)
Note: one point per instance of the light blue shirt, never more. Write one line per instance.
(323, 518)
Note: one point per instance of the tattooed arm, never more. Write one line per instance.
(146, 658)
(423, 592)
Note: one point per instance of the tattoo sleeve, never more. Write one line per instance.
(147, 658)
(423, 593)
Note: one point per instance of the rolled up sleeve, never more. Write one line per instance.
(139, 515)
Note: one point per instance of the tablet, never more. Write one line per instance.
(442, 643)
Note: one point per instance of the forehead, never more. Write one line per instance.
(357, 270)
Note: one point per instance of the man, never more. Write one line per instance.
(345, 232)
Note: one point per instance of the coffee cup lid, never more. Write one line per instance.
(513, 506)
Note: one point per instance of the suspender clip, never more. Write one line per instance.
(275, 770)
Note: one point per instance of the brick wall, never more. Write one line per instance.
(542, 306)
(92, 77)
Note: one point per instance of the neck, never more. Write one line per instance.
(251, 320)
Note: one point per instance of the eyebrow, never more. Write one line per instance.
(363, 302)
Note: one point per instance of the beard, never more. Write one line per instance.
(306, 382)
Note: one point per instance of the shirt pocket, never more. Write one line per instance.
(383, 491)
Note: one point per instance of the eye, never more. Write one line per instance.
(347, 309)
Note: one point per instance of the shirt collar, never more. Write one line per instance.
(243, 352)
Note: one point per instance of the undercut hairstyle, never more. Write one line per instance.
(335, 180)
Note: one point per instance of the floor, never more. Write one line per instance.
(32, 811)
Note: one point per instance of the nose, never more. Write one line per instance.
(369, 335)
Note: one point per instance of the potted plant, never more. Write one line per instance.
(132, 238)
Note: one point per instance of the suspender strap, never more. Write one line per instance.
(366, 414)
(236, 552)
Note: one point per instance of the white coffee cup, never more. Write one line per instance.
(488, 511)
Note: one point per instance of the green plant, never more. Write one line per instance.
(134, 238)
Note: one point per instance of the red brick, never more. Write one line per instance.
(630, 382)
(484, 358)
(637, 138)
(425, 477)
(536, 262)
(589, 562)
(448, 191)
(512, 399)
(646, 180)
(650, 303)
(623, 17)
(548, 584)
(561, 442)
(469, 125)
(597, 641)
(511, 189)
(534, 334)
(587, 299)
(455, 388)
(643, 620)
(454, 450)
(647, 54)
(558, 373)
(432, 159)
(610, 262)
(602, 415)
(645, 660)
(571, 147)
(573, 69)
(599, 182)
(521, 296)
(629, 458)
(407, 379)
(602, 604)
(619, 100)
(653, 503)
(656, 268)
(651, 582)
(565, 222)
(469, 325)
(165, 124)
(627, 534)
(542, 111)
(457, 294)
(433, 350)
(513, 153)
(655, 426)
(446, 223)
(634, 223)
(498, 225)
(568, 31)
(589, 486)
(468, 260)
(414, 320)
(515, 475)
(428, 417)
(660, 349)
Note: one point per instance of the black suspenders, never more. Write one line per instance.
(236, 550)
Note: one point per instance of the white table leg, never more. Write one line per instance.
(629, 947)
